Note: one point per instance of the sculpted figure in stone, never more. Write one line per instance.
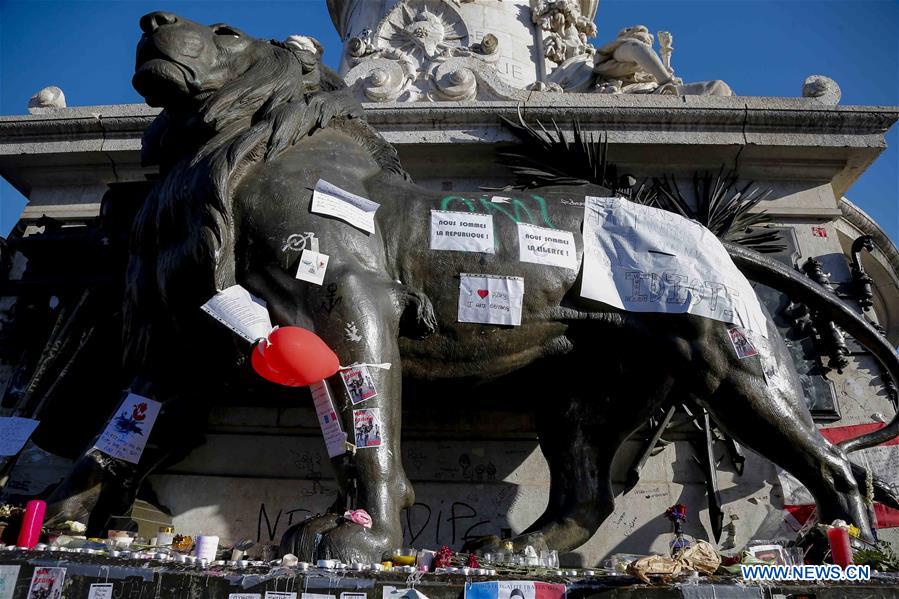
(248, 128)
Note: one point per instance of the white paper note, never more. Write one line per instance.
(241, 312)
(331, 200)
(279, 595)
(328, 420)
(319, 596)
(100, 590)
(126, 434)
(14, 433)
(8, 577)
(490, 299)
(542, 245)
(644, 259)
(244, 596)
(312, 267)
(353, 596)
(461, 231)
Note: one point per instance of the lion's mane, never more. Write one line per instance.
(183, 239)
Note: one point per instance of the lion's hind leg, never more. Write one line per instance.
(768, 414)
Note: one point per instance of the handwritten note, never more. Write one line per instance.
(461, 231)
(14, 433)
(100, 590)
(241, 312)
(244, 596)
(330, 200)
(644, 259)
(541, 245)
(490, 299)
(126, 434)
(279, 595)
(328, 419)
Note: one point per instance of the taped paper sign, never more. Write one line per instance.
(461, 231)
(126, 435)
(514, 589)
(358, 383)
(9, 575)
(14, 433)
(279, 595)
(391, 592)
(244, 596)
(46, 583)
(490, 299)
(367, 427)
(541, 245)
(319, 596)
(241, 312)
(742, 345)
(328, 420)
(353, 596)
(644, 259)
(312, 267)
(101, 590)
(330, 200)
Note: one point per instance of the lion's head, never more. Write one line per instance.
(231, 103)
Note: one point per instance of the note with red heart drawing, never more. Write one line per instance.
(490, 299)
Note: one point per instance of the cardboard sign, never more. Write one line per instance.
(312, 267)
(461, 231)
(330, 200)
(328, 419)
(742, 345)
(367, 427)
(126, 434)
(490, 299)
(643, 259)
(14, 433)
(9, 575)
(514, 589)
(241, 312)
(100, 590)
(541, 245)
(359, 384)
(46, 583)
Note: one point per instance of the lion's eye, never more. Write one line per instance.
(224, 30)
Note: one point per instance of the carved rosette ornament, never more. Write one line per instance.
(420, 51)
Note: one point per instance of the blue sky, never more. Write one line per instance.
(759, 47)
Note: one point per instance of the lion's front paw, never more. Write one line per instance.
(332, 537)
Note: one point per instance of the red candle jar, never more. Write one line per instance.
(32, 522)
(840, 550)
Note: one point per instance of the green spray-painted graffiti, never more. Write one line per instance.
(514, 209)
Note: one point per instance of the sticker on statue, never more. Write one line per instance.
(330, 200)
(742, 345)
(461, 231)
(328, 419)
(126, 434)
(490, 299)
(359, 383)
(819, 232)
(367, 427)
(312, 267)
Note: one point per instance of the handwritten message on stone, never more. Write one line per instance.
(461, 231)
(644, 259)
(490, 299)
(541, 245)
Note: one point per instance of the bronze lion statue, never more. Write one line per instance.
(248, 128)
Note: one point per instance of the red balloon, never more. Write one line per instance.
(294, 357)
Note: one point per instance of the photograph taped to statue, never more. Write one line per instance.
(275, 122)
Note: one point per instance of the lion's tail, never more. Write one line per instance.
(774, 274)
